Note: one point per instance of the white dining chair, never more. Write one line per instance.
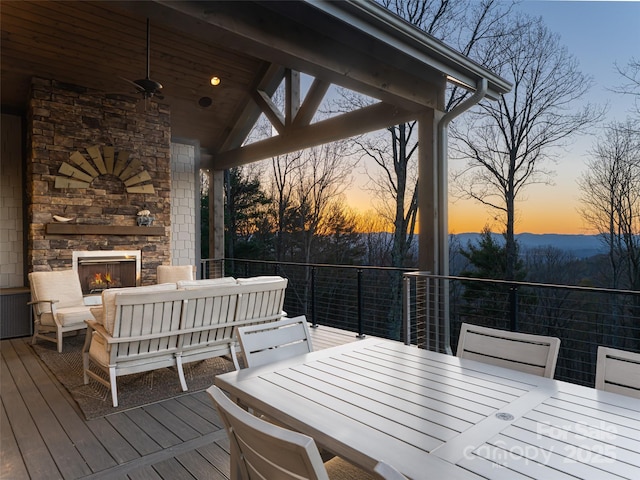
(524, 352)
(388, 472)
(262, 450)
(618, 371)
(273, 341)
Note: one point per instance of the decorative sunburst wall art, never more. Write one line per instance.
(135, 178)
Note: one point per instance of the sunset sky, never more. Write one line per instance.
(598, 34)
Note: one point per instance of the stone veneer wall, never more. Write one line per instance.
(65, 118)
(183, 205)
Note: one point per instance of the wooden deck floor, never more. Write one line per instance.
(45, 436)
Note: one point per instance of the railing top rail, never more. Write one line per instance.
(524, 284)
(321, 265)
(413, 272)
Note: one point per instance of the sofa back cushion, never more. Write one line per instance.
(259, 279)
(61, 285)
(109, 300)
(208, 282)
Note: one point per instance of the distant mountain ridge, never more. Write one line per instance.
(582, 246)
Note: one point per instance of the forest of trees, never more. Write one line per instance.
(292, 209)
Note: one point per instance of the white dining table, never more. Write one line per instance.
(436, 416)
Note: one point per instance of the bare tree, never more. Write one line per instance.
(505, 143)
(631, 78)
(283, 168)
(322, 177)
(477, 29)
(394, 186)
(610, 198)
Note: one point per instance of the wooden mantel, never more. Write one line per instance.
(77, 229)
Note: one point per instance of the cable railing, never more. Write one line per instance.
(362, 299)
(427, 310)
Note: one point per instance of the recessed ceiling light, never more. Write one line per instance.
(205, 102)
(215, 81)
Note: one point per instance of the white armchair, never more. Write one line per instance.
(58, 305)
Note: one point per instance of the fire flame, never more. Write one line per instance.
(100, 281)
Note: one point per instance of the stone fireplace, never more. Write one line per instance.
(94, 163)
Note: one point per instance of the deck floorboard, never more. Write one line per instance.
(45, 436)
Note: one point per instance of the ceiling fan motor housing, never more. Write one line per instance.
(148, 87)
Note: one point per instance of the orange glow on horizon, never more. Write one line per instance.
(469, 217)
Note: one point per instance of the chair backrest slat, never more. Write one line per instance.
(273, 341)
(528, 353)
(140, 319)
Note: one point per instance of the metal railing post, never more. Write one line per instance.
(360, 332)
(314, 321)
(513, 307)
(406, 309)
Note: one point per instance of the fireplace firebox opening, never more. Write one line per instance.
(99, 270)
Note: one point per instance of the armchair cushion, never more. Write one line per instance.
(62, 285)
(67, 316)
(174, 273)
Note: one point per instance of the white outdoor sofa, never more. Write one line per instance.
(140, 329)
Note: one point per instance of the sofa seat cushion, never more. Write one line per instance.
(98, 350)
(109, 301)
(207, 282)
(67, 316)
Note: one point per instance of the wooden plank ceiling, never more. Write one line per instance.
(99, 44)
(247, 45)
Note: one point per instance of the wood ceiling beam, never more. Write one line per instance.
(312, 101)
(270, 110)
(267, 81)
(364, 120)
(292, 95)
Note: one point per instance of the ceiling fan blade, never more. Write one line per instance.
(138, 87)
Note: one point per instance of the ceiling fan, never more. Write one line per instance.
(146, 86)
